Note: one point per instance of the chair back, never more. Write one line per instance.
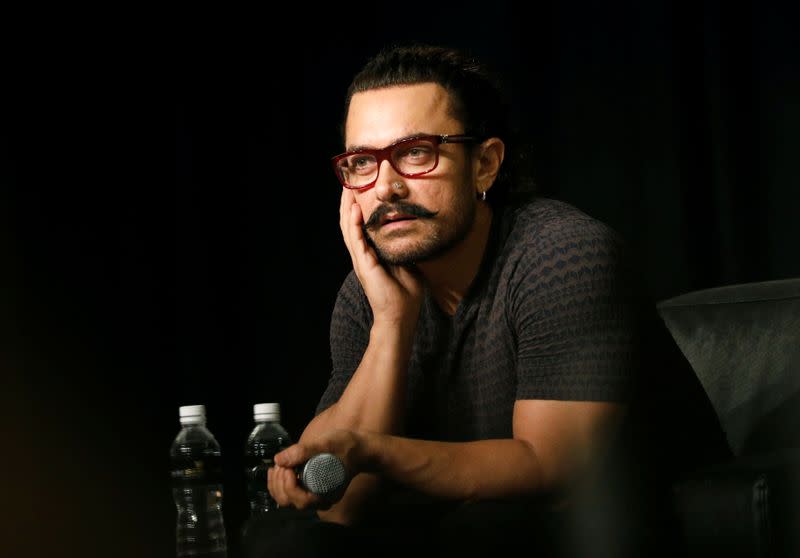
(743, 342)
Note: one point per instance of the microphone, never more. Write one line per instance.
(324, 475)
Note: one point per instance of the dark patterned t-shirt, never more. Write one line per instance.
(552, 314)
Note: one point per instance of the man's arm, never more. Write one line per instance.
(554, 443)
(374, 398)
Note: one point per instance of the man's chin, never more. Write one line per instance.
(406, 256)
(399, 257)
(406, 249)
(403, 259)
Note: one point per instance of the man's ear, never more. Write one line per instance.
(489, 158)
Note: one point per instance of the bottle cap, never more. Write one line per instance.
(267, 411)
(192, 414)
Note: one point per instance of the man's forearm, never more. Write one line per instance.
(486, 469)
(465, 471)
(374, 399)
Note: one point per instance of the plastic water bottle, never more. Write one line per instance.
(197, 487)
(267, 438)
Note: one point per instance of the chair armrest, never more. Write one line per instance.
(749, 507)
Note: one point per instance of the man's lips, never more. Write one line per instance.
(394, 218)
(397, 212)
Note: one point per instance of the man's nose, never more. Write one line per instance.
(387, 176)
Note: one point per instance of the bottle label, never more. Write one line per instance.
(207, 470)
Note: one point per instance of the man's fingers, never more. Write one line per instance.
(356, 232)
(360, 251)
(346, 208)
(288, 491)
(275, 487)
(294, 455)
(350, 220)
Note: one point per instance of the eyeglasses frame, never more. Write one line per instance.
(385, 154)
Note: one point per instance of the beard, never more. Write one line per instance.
(445, 236)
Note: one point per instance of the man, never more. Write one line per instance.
(483, 351)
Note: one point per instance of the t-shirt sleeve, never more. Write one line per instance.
(349, 335)
(575, 311)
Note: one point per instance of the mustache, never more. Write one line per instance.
(398, 207)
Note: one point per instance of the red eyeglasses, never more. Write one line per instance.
(410, 157)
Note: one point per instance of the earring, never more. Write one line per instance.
(483, 195)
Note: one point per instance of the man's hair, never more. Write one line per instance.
(477, 100)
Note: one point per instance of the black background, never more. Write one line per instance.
(169, 220)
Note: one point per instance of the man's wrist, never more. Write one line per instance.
(392, 330)
(370, 451)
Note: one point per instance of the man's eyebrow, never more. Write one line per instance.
(354, 148)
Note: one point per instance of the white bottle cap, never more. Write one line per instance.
(192, 414)
(267, 411)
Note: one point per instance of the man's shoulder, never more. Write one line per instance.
(351, 302)
(350, 287)
(545, 222)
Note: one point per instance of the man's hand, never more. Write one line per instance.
(282, 477)
(394, 292)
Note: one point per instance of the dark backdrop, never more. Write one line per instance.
(170, 227)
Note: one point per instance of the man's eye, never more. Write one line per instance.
(417, 152)
(361, 164)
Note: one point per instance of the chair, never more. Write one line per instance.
(743, 343)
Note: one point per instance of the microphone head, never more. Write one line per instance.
(324, 475)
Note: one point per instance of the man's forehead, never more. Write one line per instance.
(380, 117)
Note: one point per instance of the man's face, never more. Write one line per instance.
(446, 196)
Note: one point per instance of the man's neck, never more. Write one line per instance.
(450, 276)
